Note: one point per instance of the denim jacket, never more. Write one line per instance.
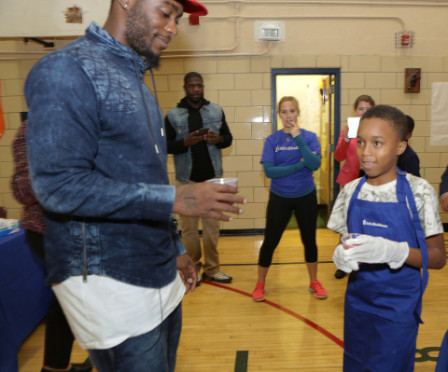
(97, 157)
(212, 116)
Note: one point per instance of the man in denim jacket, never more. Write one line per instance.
(196, 131)
(97, 157)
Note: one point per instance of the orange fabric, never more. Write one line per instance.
(2, 119)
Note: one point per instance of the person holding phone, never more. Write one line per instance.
(196, 131)
(346, 151)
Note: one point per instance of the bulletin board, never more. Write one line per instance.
(439, 114)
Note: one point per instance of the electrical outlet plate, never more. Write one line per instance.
(269, 31)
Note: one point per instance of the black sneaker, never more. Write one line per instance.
(76, 367)
(339, 274)
(219, 277)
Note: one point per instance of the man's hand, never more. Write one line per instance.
(207, 199)
(194, 138)
(444, 202)
(187, 270)
(212, 138)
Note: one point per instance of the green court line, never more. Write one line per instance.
(241, 361)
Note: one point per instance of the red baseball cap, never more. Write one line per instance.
(193, 7)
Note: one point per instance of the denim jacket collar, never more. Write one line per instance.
(95, 32)
(184, 103)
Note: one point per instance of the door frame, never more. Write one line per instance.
(336, 73)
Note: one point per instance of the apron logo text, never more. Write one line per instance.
(376, 224)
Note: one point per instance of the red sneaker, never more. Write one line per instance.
(258, 293)
(317, 289)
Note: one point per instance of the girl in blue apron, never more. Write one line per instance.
(383, 306)
(383, 300)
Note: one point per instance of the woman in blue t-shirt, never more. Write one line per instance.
(290, 156)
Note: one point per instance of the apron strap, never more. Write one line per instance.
(420, 235)
(352, 201)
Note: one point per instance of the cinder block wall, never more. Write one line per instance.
(318, 35)
(242, 87)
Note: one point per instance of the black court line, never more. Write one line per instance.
(241, 361)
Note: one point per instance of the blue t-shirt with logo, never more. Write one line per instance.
(282, 150)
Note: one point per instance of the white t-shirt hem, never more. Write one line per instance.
(103, 312)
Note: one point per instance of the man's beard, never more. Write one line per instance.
(136, 24)
(196, 100)
(153, 60)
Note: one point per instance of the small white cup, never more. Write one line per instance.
(224, 181)
(346, 237)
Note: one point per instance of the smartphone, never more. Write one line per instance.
(202, 132)
(353, 124)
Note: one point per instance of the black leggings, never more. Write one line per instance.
(279, 213)
(58, 335)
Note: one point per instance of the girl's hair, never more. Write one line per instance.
(288, 99)
(392, 115)
(363, 98)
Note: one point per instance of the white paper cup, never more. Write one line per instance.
(346, 237)
(224, 181)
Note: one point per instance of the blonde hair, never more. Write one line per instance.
(288, 99)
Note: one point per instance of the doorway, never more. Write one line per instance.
(318, 93)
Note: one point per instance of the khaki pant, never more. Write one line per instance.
(210, 234)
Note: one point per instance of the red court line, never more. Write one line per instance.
(313, 325)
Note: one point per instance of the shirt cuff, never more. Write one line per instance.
(179, 246)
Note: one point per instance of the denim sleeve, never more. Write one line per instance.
(312, 161)
(224, 134)
(64, 132)
(177, 239)
(173, 146)
(179, 246)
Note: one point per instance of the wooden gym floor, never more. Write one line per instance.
(225, 331)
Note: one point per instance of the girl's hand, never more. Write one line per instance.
(292, 128)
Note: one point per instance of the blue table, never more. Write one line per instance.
(24, 298)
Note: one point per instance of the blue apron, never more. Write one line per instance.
(383, 306)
